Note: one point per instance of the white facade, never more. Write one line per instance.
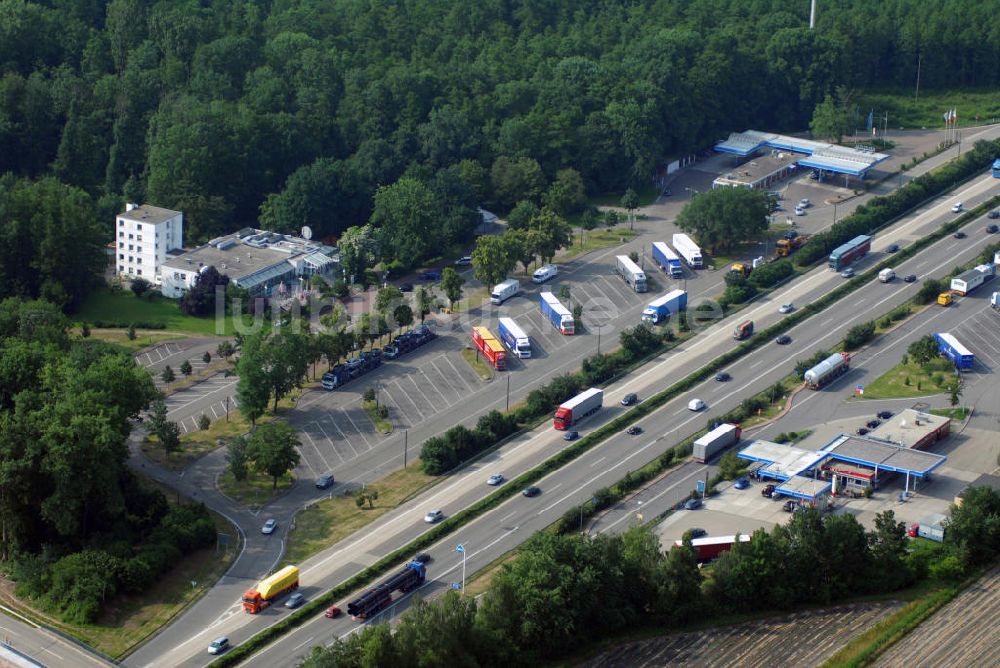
(143, 237)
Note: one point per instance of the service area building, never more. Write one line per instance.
(763, 158)
(849, 464)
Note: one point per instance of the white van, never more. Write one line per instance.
(504, 291)
(545, 273)
(696, 405)
(886, 275)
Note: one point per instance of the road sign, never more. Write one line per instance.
(700, 486)
(456, 585)
(460, 549)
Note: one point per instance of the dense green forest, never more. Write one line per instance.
(297, 112)
(76, 525)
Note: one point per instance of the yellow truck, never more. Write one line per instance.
(270, 588)
(945, 299)
(740, 268)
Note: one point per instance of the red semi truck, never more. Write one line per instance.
(577, 408)
(490, 347)
(710, 547)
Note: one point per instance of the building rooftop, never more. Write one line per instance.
(908, 428)
(147, 213)
(760, 167)
(885, 456)
(803, 487)
(249, 252)
(819, 155)
(783, 461)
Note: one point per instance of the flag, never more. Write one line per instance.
(947, 117)
(954, 116)
(871, 118)
(860, 389)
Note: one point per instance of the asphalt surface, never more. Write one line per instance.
(42, 645)
(183, 643)
(498, 531)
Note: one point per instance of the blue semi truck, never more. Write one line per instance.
(949, 346)
(660, 310)
(558, 315)
(668, 260)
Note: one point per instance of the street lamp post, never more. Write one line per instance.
(508, 392)
(835, 213)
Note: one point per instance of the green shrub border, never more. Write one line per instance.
(379, 568)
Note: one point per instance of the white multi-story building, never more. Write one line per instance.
(144, 235)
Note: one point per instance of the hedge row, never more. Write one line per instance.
(378, 569)
(120, 324)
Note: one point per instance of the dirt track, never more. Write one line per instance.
(800, 640)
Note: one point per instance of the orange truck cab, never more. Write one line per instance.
(269, 589)
(743, 331)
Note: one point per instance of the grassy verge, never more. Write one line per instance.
(328, 521)
(382, 425)
(596, 239)
(143, 337)
(478, 364)
(911, 380)
(647, 195)
(183, 382)
(958, 413)
(927, 111)
(194, 444)
(257, 490)
(875, 641)
(123, 306)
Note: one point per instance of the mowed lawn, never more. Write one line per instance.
(124, 307)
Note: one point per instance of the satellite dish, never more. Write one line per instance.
(307, 232)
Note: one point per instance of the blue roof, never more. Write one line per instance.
(817, 155)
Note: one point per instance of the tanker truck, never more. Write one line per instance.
(832, 367)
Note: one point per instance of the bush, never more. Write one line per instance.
(204, 422)
(770, 274)
(369, 394)
(859, 335)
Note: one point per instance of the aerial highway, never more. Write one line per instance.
(670, 424)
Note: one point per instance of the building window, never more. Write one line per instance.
(121, 256)
(121, 267)
(138, 249)
(121, 223)
(138, 272)
(138, 260)
(131, 247)
(121, 244)
(131, 236)
(130, 259)
(138, 226)
(138, 237)
(121, 235)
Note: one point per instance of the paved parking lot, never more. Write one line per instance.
(335, 428)
(980, 333)
(208, 396)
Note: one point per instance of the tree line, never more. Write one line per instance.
(565, 592)
(299, 113)
(77, 526)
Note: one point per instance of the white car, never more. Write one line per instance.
(219, 645)
(804, 203)
(957, 208)
(434, 516)
(799, 211)
(269, 527)
(786, 308)
(696, 405)
(495, 479)
(463, 261)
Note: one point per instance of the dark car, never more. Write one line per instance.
(695, 532)
(959, 235)
(789, 506)
(406, 287)
(994, 214)
(991, 229)
(783, 340)
(910, 278)
(433, 275)
(791, 235)
(531, 491)
(571, 435)
(629, 399)
(633, 430)
(324, 481)
(871, 424)
(862, 431)
(741, 483)
(692, 504)
(884, 415)
(722, 377)
(892, 248)
(767, 491)
(423, 557)
(295, 600)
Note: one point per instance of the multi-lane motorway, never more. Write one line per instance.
(503, 528)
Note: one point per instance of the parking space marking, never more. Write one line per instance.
(346, 439)
(304, 457)
(444, 384)
(410, 399)
(353, 424)
(343, 437)
(316, 448)
(390, 400)
(459, 375)
(428, 381)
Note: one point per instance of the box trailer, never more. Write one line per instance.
(950, 347)
(968, 281)
(504, 291)
(710, 547)
(668, 260)
(688, 250)
(715, 442)
(557, 314)
(515, 338)
(490, 347)
(572, 411)
(659, 310)
(630, 272)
